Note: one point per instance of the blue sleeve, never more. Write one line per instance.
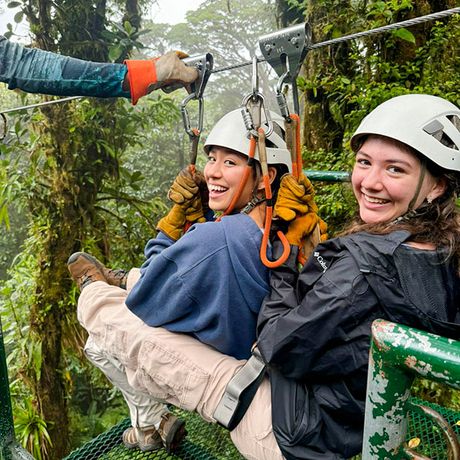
(155, 246)
(38, 71)
(164, 293)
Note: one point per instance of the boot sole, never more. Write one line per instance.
(176, 435)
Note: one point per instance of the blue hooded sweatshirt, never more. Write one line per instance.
(209, 284)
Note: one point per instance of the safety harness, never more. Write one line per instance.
(284, 52)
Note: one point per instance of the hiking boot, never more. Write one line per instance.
(146, 439)
(83, 263)
(172, 431)
(83, 270)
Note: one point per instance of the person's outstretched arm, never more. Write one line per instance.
(37, 71)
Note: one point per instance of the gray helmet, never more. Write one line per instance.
(429, 124)
(230, 132)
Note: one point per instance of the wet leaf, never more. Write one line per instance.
(414, 442)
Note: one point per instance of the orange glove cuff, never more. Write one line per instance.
(141, 74)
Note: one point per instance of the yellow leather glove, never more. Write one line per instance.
(172, 225)
(295, 204)
(189, 191)
(186, 193)
(301, 228)
(295, 196)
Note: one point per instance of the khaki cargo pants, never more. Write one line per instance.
(153, 364)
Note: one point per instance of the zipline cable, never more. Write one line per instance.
(378, 30)
(334, 41)
(31, 106)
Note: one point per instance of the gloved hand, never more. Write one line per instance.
(172, 71)
(295, 204)
(295, 196)
(172, 225)
(144, 76)
(186, 193)
(191, 192)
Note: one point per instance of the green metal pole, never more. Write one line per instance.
(327, 176)
(398, 354)
(6, 413)
(9, 448)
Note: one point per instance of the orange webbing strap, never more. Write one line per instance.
(314, 238)
(297, 164)
(141, 74)
(244, 179)
(294, 146)
(269, 211)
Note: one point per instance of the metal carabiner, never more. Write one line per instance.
(280, 96)
(193, 133)
(186, 117)
(252, 106)
(204, 66)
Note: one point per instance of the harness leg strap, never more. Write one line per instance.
(240, 391)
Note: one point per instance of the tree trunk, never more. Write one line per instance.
(63, 203)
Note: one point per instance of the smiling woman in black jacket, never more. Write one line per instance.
(399, 261)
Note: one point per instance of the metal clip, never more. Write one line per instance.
(285, 51)
(3, 127)
(204, 66)
(252, 106)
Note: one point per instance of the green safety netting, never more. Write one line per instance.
(207, 441)
(432, 442)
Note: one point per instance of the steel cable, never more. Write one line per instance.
(334, 41)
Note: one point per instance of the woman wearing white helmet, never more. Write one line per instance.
(208, 283)
(398, 261)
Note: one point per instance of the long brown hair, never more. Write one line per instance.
(437, 222)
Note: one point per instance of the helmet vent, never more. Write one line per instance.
(455, 120)
(436, 129)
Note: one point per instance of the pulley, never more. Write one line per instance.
(285, 51)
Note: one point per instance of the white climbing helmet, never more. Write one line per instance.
(429, 124)
(230, 132)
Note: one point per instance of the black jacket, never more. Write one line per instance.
(314, 333)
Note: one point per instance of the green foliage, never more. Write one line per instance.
(437, 393)
(230, 31)
(31, 430)
(336, 202)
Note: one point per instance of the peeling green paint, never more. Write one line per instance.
(398, 354)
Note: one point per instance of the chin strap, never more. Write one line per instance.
(421, 178)
(256, 200)
(244, 179)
